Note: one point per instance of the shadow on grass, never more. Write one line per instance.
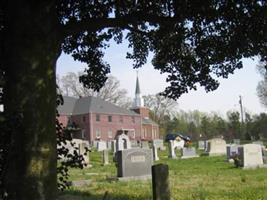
(83, 195)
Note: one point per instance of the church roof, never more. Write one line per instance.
(91, 104)
(68, 105)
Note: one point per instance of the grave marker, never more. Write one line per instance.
(251, 156)
(216, 146)
(189, 153)
(134, 163)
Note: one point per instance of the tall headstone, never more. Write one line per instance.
(134, 163)
(216, 146)
(122, 142)
(105, 157)
(173, 145)
(109, 145)
(158, 143)
(155, 153)
(251, 156)
(83, 150)
(113, 146)
(160, 182)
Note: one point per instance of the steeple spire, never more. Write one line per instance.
(137, 87)
(138, 100)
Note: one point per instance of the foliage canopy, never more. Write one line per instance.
(192, 41)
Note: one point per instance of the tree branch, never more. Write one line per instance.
(97, 24)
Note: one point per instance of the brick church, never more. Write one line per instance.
(96, 119)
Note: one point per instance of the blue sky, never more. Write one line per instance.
(243, 82)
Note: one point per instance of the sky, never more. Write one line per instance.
(242, 83)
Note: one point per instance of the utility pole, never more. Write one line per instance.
(242, 128)
(241, 109)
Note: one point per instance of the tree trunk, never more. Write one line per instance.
(32, 47)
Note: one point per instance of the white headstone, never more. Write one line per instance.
(158, 143)
(251, 155)
(101, 145)
(155, 153)
(216, 146)
(123, 142)
(113, 146)
(105, 157)
(174, 144)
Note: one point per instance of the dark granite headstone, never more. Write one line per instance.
(232, 151)
(134, 162)
(189, 153)
(160, 182)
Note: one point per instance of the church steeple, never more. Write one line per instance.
(138, 100)
(137, 87)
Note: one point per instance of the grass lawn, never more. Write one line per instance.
(196, 178)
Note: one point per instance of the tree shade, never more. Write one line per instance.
(193, 42)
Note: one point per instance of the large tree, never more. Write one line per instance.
(70, 85)
(160, 107)
(192, 41)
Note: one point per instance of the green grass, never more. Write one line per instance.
(208, 178)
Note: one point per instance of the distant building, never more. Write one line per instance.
(101, 120)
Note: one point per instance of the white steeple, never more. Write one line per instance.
(138, 100)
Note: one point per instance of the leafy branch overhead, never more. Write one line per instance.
(192, 41)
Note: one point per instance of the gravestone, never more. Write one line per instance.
(262, 146)
(122, 142)
(109, 145)
(95, 143)
(158, 143)
(189, 153)
(155, 153)
(201, 144)
(160, 182)
(251, 156)
(105, 157)
(144, 145)
(173, 145)
(216, 146)
(113, 146)
(81, 146)
(232, 151)
(206, 145)
(134, 163)
(101, 145)
(236, 141)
